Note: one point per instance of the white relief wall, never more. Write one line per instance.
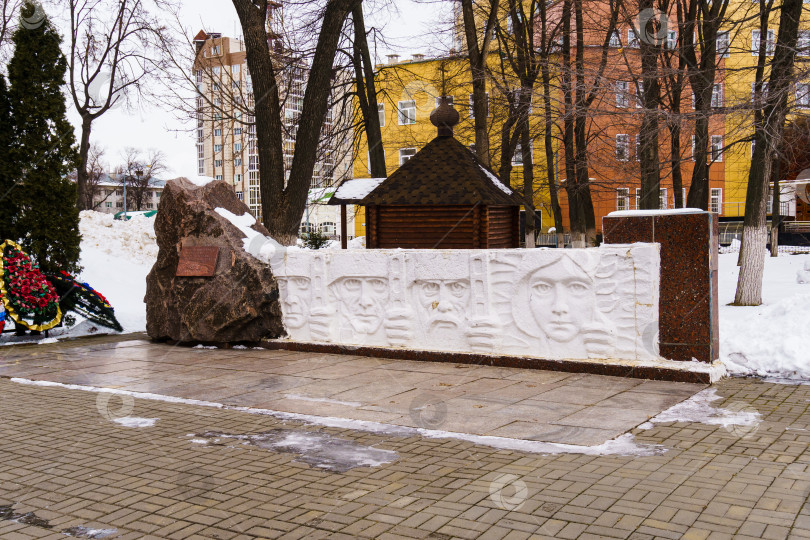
(547, 303)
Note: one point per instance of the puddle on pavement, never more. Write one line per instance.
(30, 518)
(316, 449)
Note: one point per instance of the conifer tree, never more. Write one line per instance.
(47, 222)
(8, 206)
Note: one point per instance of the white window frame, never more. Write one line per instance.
(623, 141)
(407, 112)
(405, 154)
(615, 39)
(716, 200)
(632, 39)
(381, 113)
(723, 45)
(622, 94)
(638, 147)
(451, 101)
(638, 198)
(622, 199)
(803, 46)
(717, 95)
(517, 157)
(716, 148)
(770, 43)
(663, 200)
(803, 95)
(472, 110)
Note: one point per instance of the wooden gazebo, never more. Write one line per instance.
(443, 198)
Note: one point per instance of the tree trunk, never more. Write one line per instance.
(528, 179)
(776, 214)
(367, 95)
(85, 199)
(648, 132)
(768, 136)
(675, 159)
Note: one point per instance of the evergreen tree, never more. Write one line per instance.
(47, 222)
(8, 206)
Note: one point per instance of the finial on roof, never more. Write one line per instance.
(444, 117)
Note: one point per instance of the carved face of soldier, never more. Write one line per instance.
(295, 295)
(363, 300)
(562, 300)
(443, 304)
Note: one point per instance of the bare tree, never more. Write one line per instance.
(113, 51)
(283, 205)
(768, 135)
(139, 172)
(367, 94)
(478, 48)
(95, 173)
(9, 13)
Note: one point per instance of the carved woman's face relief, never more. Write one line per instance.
(562, 300)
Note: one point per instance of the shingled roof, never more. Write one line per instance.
(444, 172)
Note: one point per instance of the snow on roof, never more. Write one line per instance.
(637, 213)
(494, 179)
(357, 188)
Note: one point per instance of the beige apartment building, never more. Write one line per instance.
(226, 138)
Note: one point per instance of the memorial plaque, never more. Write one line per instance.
(197, 261)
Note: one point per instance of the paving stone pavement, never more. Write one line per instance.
(67, 465)
(538, 405)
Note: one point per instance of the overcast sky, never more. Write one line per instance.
(407, 26)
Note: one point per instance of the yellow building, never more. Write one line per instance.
(741, 43)
(408, 91)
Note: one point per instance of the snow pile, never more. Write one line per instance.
(133, 421)
(260, 246)
(803, 275)
(495, 181)
(771, 339)
(116, 257)
(133, 239)
(698, 408)
(200, 180)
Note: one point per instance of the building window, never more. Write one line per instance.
(623, 199)
(632, 38)
(218, 177)
(762, 94)
(405, 154)
(693, 148)
(803, 95)
(327, 228)
(716, 200)
(723, 45)
(108, 205)
(237, 131)
(770, 43)
(663, 195)
(717, 95)
(236, 68)
(217, 148)
(239, 195)
(622, 147)
(472, 102)
(215, 50)
(639, 96)
(638, 147)
(237, 162)
(119, 204)
(672, 39)
(237, 147)
(638, 198)
(450, 101)
(615, 39)
(218, 132)
(217, 70)
(623, 94)
(517, 157)
(237, 178)
(217, 163)
(717, 148)
(381, 113)
(407, 113)
(804, 43)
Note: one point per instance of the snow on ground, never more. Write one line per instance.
(133, 421)
(771, 339)
(116, 257)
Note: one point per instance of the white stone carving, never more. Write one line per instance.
(546, 303)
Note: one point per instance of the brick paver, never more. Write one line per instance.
(66, 464)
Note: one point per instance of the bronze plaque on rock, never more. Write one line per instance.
(197, 261)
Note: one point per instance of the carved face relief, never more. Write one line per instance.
(562, 300)
(363, 300)
(442, 304)
(296, 296)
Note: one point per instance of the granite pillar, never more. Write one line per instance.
(688, 311)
